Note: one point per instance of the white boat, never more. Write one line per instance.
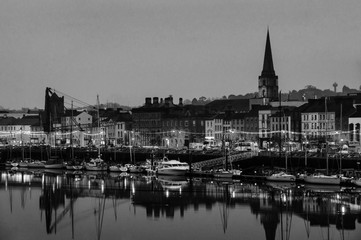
(319, 178)
(281, 177)
(74, 167)
(357, 182)
(118, 168)
(14, 164)
(23, 164)
(135, 168)
(172, 167)
(96, 164)
(36, 164)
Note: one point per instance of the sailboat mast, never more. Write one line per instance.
(326, 135)
(71, 131)
(341, 140)
(98, 126)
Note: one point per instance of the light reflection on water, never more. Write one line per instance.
(66, 205)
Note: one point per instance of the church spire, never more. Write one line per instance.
(268, 70)
(268, 81)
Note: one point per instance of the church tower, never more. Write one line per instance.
(268, 81)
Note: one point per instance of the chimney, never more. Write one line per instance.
(155, 100)
(180, 102)
(148, 101)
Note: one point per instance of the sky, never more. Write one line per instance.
(127, 50)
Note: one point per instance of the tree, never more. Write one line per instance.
(194, 101)
(187, 102)
(202, 99)
(310, 87)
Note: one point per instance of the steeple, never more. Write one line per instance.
(268, 81)
(268, 70)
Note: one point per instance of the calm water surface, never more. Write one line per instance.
(67, 205)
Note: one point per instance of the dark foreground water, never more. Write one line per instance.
(64, 205)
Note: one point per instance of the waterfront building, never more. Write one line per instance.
(354, 129)
(21, 131)
(235, 105)
(237, 125)
(251, 126)
(118, 130)
(73, 126)
(328, 118)
(264, 124)
(318, 121)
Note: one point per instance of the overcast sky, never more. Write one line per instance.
(126, 50)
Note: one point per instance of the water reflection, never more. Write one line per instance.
(90, 206)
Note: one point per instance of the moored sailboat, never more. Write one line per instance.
(97, 164)
(320, 178)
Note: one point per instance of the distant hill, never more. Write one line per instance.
(309, 92)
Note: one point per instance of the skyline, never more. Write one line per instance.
(127, 50)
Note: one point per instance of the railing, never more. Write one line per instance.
(221, 160)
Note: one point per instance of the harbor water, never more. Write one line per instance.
(56, 204)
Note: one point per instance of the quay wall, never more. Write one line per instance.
(293, 163)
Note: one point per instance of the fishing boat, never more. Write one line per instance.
(172, 167)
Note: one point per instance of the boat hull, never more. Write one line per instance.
(54, 166)
(118, 169)
(223, 174)
(323, 179)
(172, 171)
(357, 182)
(36, 164)
(96, 168)
(74, 167)
(281, 177)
